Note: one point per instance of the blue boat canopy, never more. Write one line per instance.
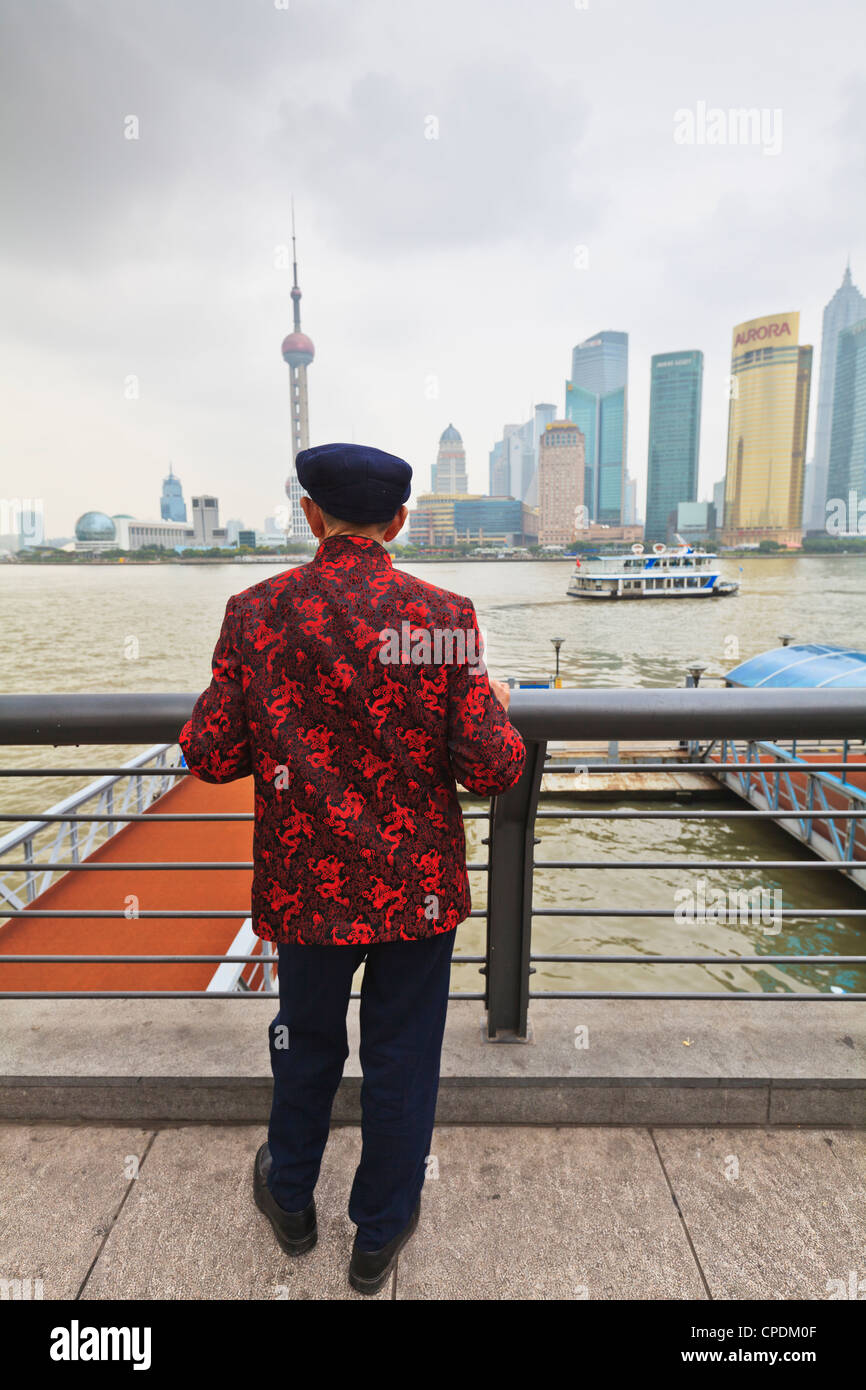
(808, 665)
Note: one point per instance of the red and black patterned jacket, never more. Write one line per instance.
(356, 726)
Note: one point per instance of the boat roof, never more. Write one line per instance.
(806, 665)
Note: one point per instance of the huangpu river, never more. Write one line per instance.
(153, 628)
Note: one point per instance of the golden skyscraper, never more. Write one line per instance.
(767, 419)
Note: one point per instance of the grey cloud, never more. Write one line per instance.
(504, 165)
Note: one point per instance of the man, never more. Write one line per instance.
(356, 696)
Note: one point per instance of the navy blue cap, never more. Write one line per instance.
(354, 482)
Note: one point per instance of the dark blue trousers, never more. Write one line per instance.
(404, 999)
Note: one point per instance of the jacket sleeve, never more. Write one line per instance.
(215, 739)
(487, 752)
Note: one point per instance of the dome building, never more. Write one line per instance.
(449, 470)
(95, 531)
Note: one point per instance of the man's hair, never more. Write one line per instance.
(348, 521)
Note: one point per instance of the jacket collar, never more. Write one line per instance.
(371, 550)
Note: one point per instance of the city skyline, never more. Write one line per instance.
(674, 430)
(421, 313)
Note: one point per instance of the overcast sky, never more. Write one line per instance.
(440, 277)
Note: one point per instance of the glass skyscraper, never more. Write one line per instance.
(674, 438)
(769, 407)
(847, 306)
(847, 467)
(171, 505)
(596, 401)
(514, 457)
(498, 479)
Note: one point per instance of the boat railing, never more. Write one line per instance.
(75, 826)
(779, 778)
(250, 966)
(696, 719)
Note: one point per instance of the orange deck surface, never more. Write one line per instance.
(229, 889)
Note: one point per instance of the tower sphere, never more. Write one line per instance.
(298, 350)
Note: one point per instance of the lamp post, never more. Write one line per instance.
(696, 670)
(557, 643)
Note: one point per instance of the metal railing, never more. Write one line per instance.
(721, 718)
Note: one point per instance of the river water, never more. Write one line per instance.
(153, 627)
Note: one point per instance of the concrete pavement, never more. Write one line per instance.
(509, 1212)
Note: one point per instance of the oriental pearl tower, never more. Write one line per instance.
(298, 353)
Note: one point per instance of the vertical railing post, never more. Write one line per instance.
(509, 902)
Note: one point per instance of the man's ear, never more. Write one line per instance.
(314, 517)
(396, 526)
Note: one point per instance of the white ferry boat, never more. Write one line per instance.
(679, 571)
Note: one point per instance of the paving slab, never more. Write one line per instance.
(60, 1190)
(547, 1213)
(772, 1214)
(190, 1229)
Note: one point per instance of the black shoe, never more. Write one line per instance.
(369, 1269)
(295, 1231)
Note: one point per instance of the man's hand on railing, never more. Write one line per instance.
(502, 692)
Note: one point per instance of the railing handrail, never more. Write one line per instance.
(540, 715)
(611, 715)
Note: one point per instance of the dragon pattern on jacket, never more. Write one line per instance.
(358, 834)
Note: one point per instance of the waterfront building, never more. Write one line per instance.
(561, 473)
(298, 352)
(514, 457)
(448, 474)
(629, 509)
(767, 417)
(596, 400)
(520, 459)
(846, 478)
(172, 507)
(719, 503)
(674, 438)
(132, 534)
(847, 306)
(501, 520)
(206, 522)
(695, 521)
(96, 532)
(597, 533)
(498, 476)
(439, 520)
